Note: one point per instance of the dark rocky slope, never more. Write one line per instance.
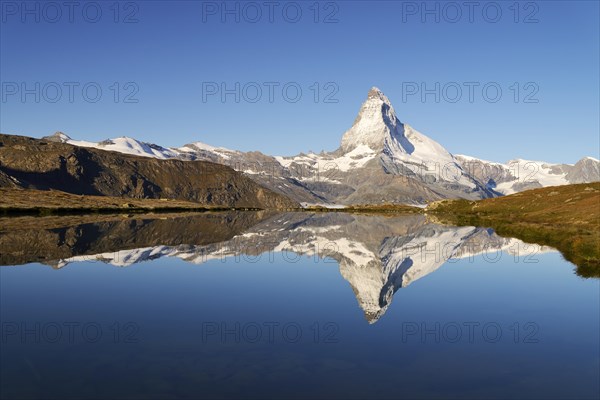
(41, 164)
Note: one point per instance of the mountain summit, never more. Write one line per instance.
(376, 126)
(402, 149)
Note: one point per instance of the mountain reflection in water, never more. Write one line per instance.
(377, 255)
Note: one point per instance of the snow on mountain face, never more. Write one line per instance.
(127, 145)
(355, 158)
(404, 150)
(203, 150)
(378, 128)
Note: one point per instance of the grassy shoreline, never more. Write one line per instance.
(564, 217)
(41, 211)
(19, 202)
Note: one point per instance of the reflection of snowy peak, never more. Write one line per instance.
(376, 255)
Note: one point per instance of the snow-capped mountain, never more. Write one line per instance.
(380, 159)
(384, 160)
(518, 175)
(125, 145)
(378, 129)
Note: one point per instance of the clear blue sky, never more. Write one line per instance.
(176, 46)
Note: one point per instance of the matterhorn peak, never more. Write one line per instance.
(375, 123)
(376, 128)
(376, 93)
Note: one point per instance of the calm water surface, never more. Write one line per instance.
(298, 305)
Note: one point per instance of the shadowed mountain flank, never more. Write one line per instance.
(41, 164)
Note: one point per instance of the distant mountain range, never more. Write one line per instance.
(380, 159)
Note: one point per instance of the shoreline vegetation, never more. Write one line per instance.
(564, 217)
(18, 202)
